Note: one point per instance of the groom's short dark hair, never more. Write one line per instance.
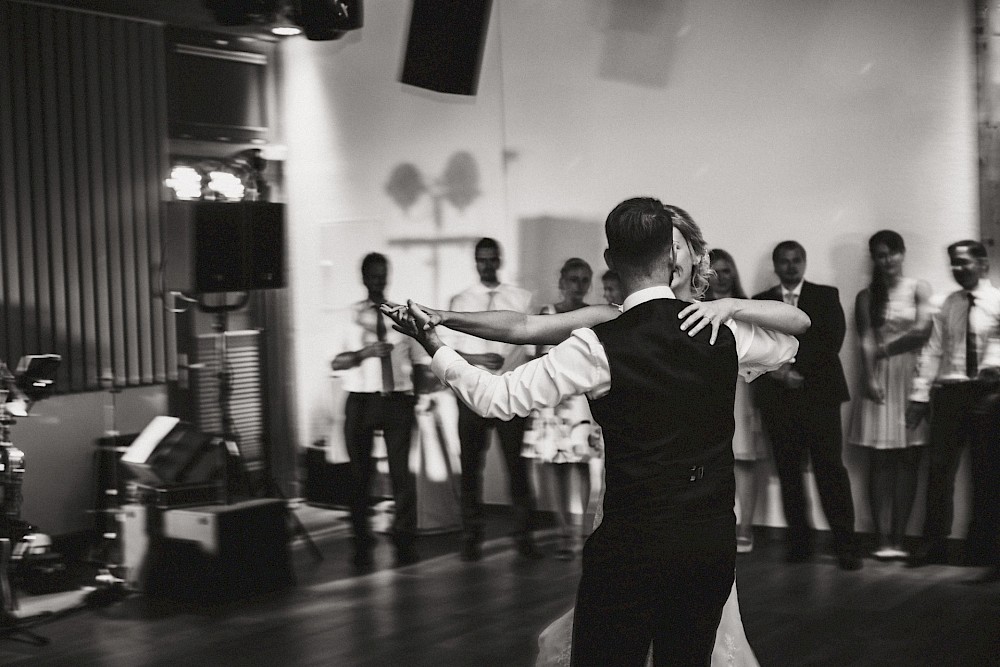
(639, 231)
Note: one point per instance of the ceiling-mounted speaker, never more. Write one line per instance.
(323, 20)
(445, 46)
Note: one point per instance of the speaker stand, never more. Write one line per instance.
(229, 437)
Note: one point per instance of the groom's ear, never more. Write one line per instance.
(607, 259)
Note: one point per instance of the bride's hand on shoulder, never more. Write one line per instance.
(700, 314)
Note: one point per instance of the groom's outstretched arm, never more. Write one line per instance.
(578, 365)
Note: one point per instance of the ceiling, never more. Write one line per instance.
(186, 13)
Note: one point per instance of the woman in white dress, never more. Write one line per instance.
(893, 321)
(691, 272)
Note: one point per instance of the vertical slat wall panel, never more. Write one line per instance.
(82, 161)
(8, 206)
(26, 314)
(165, 356)
(84, 139)
(54, 190)
(73, 368)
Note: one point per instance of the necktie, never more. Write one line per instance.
(492, 299)
(971, 361)
(790, 298)
(388, 383)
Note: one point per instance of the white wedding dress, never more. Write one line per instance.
(731, 646)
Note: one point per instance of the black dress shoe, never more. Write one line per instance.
(472, 550)
(798, 554)
(406, 555)
(927, 555)
(990, 576)
(848, 562)
(363, 559)
(526, 547)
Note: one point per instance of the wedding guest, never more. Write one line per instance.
(562, 437)
(612, 284)
(379, 365)
(748, 441)
(489, 293)
(800, 409)
(893, 320)
(959, 373)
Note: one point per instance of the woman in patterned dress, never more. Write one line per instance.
(563, 437)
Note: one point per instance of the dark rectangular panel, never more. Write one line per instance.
(444, 48)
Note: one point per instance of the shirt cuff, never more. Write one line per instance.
(443, 358)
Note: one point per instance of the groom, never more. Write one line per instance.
(660, 567)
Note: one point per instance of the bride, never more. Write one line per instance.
(689, 284)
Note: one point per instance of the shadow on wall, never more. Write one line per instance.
(640, 41)
(459, 186)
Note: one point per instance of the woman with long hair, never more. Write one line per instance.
(748, 440)
(893, 320)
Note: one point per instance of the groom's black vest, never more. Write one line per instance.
(668, 419)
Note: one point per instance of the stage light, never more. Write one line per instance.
(283, 23)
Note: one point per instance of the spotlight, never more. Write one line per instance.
(283, 24)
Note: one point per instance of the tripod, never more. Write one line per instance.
(229, 436)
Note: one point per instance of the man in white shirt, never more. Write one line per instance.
(379, 366)
(959, 376)
(473, 430)
(660, 566)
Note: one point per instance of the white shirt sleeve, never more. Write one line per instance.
(578, 365)
(761, 350)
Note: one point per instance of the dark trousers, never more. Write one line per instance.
(965, 414)
(472, 432)
(363, 415)
(653, 584)
(799, 423)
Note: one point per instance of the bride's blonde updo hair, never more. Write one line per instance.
(701, 269)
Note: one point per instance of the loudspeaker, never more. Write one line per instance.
(323, 20)
(445, 45)
(210, 554)
(326, 483)
(223, 246)
(169, 451)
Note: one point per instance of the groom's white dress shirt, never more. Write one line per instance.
(579, 365)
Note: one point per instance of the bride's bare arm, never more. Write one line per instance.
(774, 315)
(508, 326)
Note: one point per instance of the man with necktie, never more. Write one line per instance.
(473, 431)
(379, 366)
(800, 411)
(958, 386)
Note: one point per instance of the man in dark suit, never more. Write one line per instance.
(800, 410)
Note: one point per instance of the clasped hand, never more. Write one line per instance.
(414, 321)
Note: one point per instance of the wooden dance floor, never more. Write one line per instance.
(442, 612)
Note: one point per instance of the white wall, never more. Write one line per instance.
(765, 119)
